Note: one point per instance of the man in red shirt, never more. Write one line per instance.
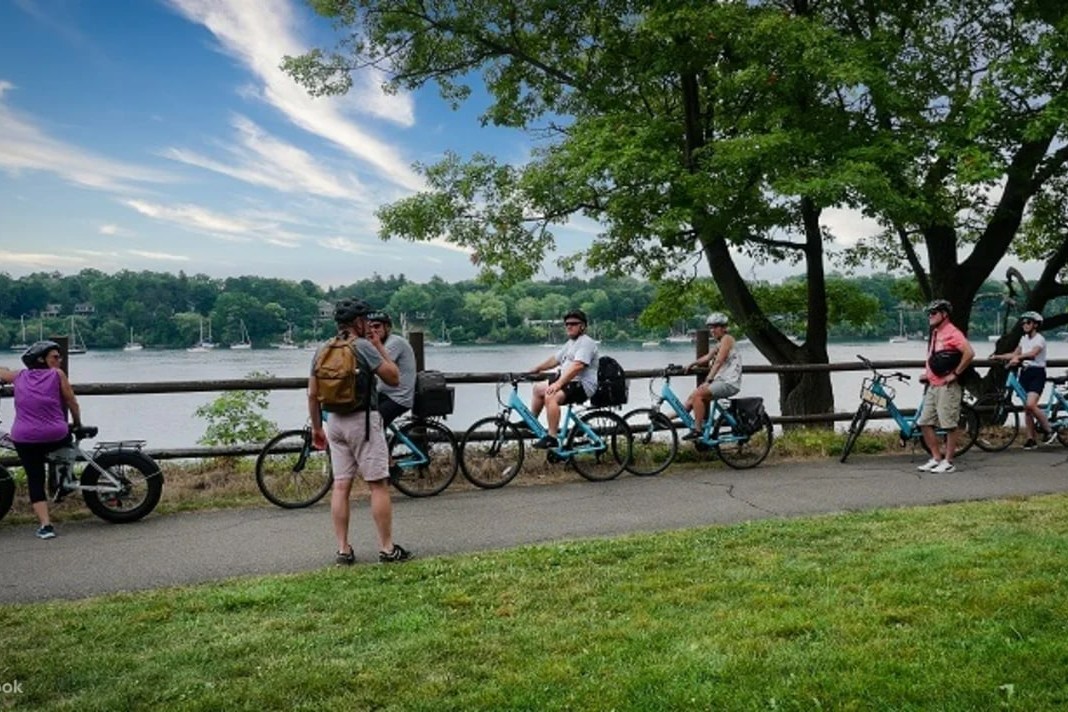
(948, 355)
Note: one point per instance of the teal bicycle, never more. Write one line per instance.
(741, 434)
(876, 392)
(596, 443)
(999, 418)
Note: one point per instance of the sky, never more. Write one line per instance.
(160, 135)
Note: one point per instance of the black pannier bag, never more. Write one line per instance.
(749, 413)
(612, 385)
(432, 397)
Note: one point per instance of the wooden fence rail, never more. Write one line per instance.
(270, 384)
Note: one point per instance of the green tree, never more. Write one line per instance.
(236, 417)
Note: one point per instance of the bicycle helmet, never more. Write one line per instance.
(380, 317)
(34, 357)
(1032, 315)
(716, 319)
(347, 310)
(576, 314)
(940, 305)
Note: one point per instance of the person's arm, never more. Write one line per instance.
(702, 360)
(1007, 356)
(7, 375)
(967, 353)
(386, 370)
(544, 365)
(315, 415)
(70, 399)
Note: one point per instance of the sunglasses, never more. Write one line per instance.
(572, 323)
(1028, 321)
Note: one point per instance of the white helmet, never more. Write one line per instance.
(716, 319)
(1032, 315)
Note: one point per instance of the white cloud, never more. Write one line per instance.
(343, 244)
(258, 33)
(161, 256)
(261, 159)
(25, 147)
(41, 260)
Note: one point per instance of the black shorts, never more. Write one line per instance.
(389, 409)
(1033, 379)
(574, 393)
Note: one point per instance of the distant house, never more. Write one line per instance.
(51, 310)
(326, 309)
(85, 308)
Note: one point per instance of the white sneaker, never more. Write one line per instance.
(943, 468)
(929, 465)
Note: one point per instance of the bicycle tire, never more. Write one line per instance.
(748, 452)
(967, 427)
(856, 427)
(491, 452)
(654, 442)
(290, 473)
(1053, 416)
(999, 424)
(439, 446)
(141, 481)
(604, 464)
(7, 491)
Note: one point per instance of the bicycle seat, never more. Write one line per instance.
(1057, 380)
(84, 431)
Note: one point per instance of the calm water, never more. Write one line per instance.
(168, 420)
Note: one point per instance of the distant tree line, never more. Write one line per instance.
(168, 311)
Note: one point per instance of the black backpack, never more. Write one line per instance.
(612, 386)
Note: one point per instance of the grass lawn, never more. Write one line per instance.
(957, 607)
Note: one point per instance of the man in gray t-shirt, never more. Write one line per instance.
(577, 381)
(394, 401)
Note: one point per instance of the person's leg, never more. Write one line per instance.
(339, 513)
(931, 440)
(552, 412)
(32, 460)
(339, 431)
(538, 401)
(702, 399)
(382, 514)
(949, 416)
(1036, 414)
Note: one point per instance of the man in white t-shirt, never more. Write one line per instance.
(1031, 353)
(577, 381)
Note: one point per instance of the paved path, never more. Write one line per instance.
(91, 557)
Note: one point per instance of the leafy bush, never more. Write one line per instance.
(236, 417)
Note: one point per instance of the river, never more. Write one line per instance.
(169, 420)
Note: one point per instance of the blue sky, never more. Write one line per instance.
(160, 135)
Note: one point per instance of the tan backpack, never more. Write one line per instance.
(336, 373)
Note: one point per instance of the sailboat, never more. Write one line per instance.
(245, 343)
(287, 343)
(445, 341)
(901, 337)
(132, 345)
(203, 344)
(22, 345)
(75, 345)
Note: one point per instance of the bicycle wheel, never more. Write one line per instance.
(291, 473)
(999, 423)
(967, 428)
(1054, 415)
(438, 444)
(603, 463)
(7, 491)
(491, 452)
(856, 427)
(140, 485)
(654, 441)
(747, 450)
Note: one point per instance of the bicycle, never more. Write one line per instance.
(656, 442)
(875, 392)
(999, 419)
(119, 482)
(596, 443)
(292, 474)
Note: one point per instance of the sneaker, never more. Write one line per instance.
(692, 435)
(46, 532)
(398, 554)
(546, 442)
(1048, 436)
(929, 465)
(1030, 444)
(943, 468)
(343, 559)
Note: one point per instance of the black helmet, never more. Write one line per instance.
(940, 305)
(34, 357)
(576, 314)
(380, 317)
(346, 310)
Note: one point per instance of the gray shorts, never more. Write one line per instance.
(351, 453)
(721, 389)
(941, 406)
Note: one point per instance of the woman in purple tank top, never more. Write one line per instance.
(43, 396)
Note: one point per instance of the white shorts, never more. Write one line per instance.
(352, 453)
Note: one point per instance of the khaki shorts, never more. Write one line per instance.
(351, 453)
(941, 406)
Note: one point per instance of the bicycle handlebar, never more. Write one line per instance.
(896, 374)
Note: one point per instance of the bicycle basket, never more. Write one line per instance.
(877, 399)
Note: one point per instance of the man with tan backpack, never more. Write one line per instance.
(342, 385)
